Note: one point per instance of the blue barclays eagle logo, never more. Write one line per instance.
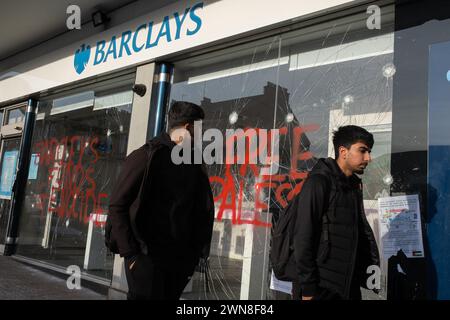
(81, 58)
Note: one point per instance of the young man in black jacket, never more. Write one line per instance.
(333, 241)
(162, 225)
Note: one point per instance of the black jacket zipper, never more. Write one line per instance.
(355, 247)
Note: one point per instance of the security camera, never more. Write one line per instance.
(139, 89)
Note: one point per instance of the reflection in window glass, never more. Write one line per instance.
(237, 90)
(79, 144)
(16, 115)
(305, 84)
(345, 79)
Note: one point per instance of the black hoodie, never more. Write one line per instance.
(173, 220)
(333, 259)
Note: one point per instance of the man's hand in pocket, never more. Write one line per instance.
(131, 262)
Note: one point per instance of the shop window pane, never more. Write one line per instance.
(438, 188)
(237, 90)
(305, 84)
(15, 115)
(343, 76)
(79, 145)
(74, 102)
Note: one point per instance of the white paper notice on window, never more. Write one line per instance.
(278, 285)
(400, 226)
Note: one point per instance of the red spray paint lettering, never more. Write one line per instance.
(232, 187)
(73, 190)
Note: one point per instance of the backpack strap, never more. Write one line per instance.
(332, 194)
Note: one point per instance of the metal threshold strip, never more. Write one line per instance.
(61, 270)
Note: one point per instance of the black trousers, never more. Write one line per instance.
(325, 294)
(151, 280)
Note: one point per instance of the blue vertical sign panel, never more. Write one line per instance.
(34, 165)
(438, 215)
(8, 174)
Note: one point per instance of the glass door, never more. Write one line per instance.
(12, 121)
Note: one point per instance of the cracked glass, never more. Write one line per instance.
(304, 83)
(79, 144)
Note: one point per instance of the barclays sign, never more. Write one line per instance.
(81, 58)
(144, 37)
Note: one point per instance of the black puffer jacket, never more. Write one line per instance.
(332, 256)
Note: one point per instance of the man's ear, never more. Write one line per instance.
(189, 129)
(343, 152)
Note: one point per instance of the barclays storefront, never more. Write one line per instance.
(304, 70)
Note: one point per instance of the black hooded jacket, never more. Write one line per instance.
(336, 255)
(173, 220)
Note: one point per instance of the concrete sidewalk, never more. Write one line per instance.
(19, 281)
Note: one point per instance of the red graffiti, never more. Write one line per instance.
(284, 186)
(71, 190)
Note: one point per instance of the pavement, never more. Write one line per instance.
(20, 281)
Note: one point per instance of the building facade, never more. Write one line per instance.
(70, 116)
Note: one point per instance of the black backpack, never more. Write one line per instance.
(282, 249)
